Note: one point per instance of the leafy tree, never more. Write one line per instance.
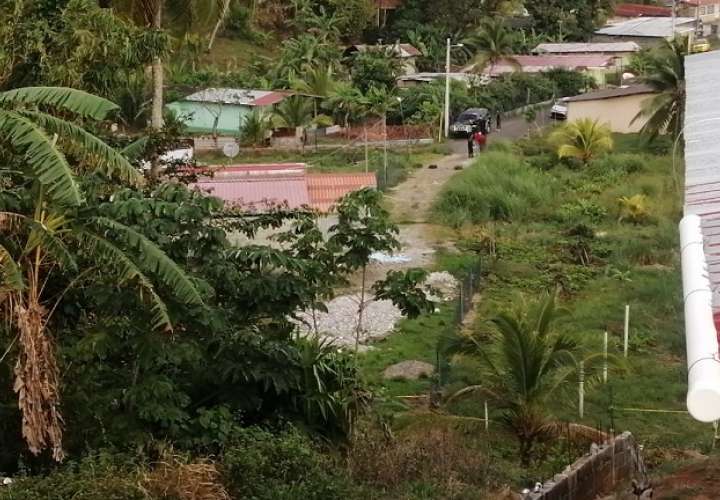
(346, 102)
(375, 68)
(524, 366)
(304, 51)
(492, 43)
(570, 19)
(363, 227)
(295, 111)
(405, 290)
(666, 75)
(583, 139)
(49, 230)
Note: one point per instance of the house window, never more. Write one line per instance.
(702, 11)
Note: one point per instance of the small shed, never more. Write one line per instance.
(222, 111)
(615, 107)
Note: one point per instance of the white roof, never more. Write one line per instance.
(228, 96)
(702, 155)
(653, 27)
(585, 48)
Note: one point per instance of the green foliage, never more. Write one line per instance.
(492, 43)
(634, 208)
(664, 111)
(295, 111)
(375, 68)
(583, 140)
(256, 128)
(405, 290)
(582, 211)
(497, 187)
(281, 465)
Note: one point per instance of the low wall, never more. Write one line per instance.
(594, 474)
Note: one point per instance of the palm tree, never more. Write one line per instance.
(664, 111)
(294, 112)
(583, 139)
(525, 364)
(346, 100)
(492, 43)
(255, 128)
(317, 81)
(151, 14)
(52, 229)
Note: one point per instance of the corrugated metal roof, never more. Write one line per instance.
(325, 190)
(610, 93)
(653, 27)
(258, 187)
(585, 48)
(244, 97)
(702, 155)
(637, 10)
(536, 64)
(402, 50)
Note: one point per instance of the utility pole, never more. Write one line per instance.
(447, 90)
(450, 46)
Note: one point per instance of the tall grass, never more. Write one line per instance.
(499, 186)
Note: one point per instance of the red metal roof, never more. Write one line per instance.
(388, 4)
(271, 98)
(695, 3)
(325, 190)
(258, 187)
(640, 10)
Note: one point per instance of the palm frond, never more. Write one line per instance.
(43, 158)
(110, 162)
(135, 149)
(128, 271)
(75, 101)
(39, 235)
(471, 389)
(153, 259)
(10, 274)
(575, 432)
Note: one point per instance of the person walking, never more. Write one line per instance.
(480, 140)
(498, 120)
(471, 144)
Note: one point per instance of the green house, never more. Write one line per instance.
(222, 111)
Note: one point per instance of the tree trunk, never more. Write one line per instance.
(220, 22)
(361, 309)
(157, 72)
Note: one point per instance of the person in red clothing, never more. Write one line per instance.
(480, 139)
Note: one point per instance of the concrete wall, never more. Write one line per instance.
(594, 474)
(617, 112)
(201, 116)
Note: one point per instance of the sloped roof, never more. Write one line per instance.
(536, 64)
(325, 190)
(585, 48)
(652, 27)
(641, 10)
(401, 50)
(259, 187)
(702, 156)
(610, 93)
(244, 97)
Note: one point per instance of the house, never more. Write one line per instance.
(645, 31)
(624, 11)
(595, 65)
(259, 187)
(621, 50)
(615, 107)
(222, 111)
(406, 53)
(700, 234)
(705, 11)
(384, 7)
(417, 79)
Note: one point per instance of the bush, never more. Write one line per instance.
(260, 465)
(626, 163)
(582, 211)
(499, 186)
(98, 477)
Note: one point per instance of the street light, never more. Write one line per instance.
(402, 116)
(450, 46)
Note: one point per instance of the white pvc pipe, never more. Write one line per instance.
(703, 398)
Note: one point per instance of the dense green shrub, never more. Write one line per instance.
(97, 477)
(626, 163)
(264, 465)
(499, 186)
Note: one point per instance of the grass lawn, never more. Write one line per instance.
(628, 260)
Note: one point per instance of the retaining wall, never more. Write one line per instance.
(594, 474)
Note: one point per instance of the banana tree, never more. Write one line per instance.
(51, 228)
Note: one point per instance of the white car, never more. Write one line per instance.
(559, 110)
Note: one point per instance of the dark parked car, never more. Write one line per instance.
(469, 120)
